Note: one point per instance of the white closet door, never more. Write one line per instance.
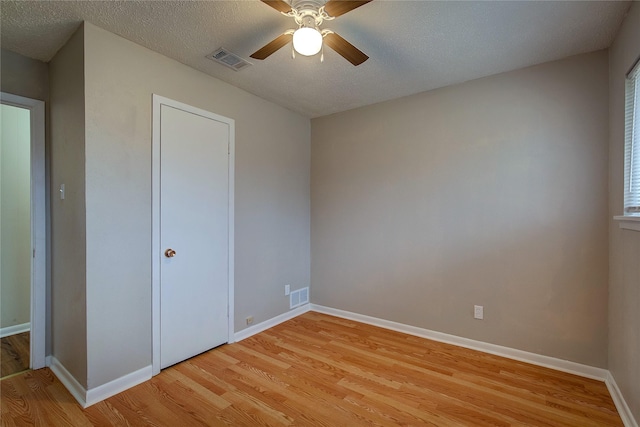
(194, 233)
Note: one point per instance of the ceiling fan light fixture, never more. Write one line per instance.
(307, 41)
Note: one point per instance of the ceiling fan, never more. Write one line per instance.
(308, 38)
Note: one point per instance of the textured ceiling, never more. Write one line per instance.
(413, 46)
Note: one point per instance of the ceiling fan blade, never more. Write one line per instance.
(336, 8)
(344, 48)
(278, 5)
(272, 46)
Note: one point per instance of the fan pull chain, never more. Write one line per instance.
(293, 52)
(322, 53)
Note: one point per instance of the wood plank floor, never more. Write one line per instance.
(14, 354)
(318, 370)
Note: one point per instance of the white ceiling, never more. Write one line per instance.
(413, 46)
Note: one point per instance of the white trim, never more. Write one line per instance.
(92, 396)
(116, 386)
(628, 222)
(15, 329)
(621, 404)
(524, 356)
(38, 226)
(69, 381)
(156, 251)
(263, 326)
(232, 227)
(87, 398)
(498, 350)
(155, 238)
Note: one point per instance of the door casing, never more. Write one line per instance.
(38, 227)
(156, 250)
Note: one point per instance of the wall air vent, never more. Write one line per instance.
(231, 60)
(299, 297)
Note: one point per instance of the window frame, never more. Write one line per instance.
(631, 218)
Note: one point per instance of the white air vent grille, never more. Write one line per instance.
(231, 60)
(299, 297)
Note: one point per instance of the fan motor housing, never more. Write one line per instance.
(301, 5)
(308, 13)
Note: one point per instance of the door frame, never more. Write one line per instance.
(156, 250)
(38, 326)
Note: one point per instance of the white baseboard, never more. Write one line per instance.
(15, 329)
(263, 326)
(623, 409)
(97, 394)
(511, 353)
(89, 397)
(69, 381)
(116, 386)
(498, 350)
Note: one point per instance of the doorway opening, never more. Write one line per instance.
(22, 235)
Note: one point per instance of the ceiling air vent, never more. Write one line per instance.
(231, 60)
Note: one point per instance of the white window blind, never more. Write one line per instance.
(632, 143)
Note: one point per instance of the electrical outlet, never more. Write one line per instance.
(249, 320)
(478, 312)
(287, 290)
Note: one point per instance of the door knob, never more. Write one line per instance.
(169, 253)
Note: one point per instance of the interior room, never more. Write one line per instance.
(427, 220)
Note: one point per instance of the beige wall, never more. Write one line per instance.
(624, 277)
(24, 76)
(15, 216)
(68, 219)
(271, 196)
(492, 192)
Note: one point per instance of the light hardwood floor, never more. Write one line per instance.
(14, 354)
(318, 370)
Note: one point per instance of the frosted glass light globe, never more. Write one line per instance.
(307, 41)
